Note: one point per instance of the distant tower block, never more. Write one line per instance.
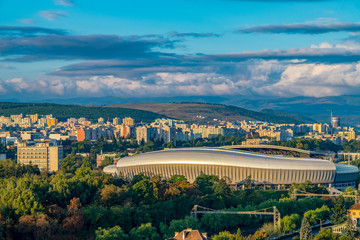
(335, 122)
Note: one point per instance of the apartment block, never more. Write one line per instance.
(128, 121)
(46, 157)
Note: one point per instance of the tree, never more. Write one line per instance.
(112, 195)
(144, 232)
(43, 227)
(206, 182)
(307, 186)
(290, 223)
(319, 214)
(114, 233)
(177, 178)
(107, 161)
(181, 224)
(259, 235)
(269, 229)
(144, 191)
(74, 222)
(1, 228)
(349, 228)
(339, 211)
(305, 230)
(19, 198)
(326, 234)
(71, 162)
(225, 235)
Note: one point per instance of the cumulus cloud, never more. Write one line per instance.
(52, 15)
(316, 80)
(254, 77)
(304, 28)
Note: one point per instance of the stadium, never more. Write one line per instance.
(266, 171)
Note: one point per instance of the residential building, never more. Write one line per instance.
(354, 213)
(83, 134)
(116, 121)
(190, 234)
(45, 156)
(52, 121)
(34, 117)
(128, 121)
(144, 133)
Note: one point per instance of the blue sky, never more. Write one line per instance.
(81, 48)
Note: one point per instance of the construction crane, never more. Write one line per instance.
(300, 193)
(331, 124)
(266, 211)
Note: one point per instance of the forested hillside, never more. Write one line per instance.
(62, 112)
(189, 111)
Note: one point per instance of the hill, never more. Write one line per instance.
(347, 107)
(189, 111)
(62, 112)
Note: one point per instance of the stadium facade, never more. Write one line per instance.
(266, 171)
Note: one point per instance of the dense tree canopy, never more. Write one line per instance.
(309, 144)
(80, 202)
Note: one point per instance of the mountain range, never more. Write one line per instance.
(316, 109)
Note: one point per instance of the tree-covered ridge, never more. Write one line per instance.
(352, 146)
(62, 112)
(309, 144)
(187, 111)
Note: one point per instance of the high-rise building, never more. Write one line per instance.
(144, 133)
(52, 121)
(34, 117)
(16, 118)
(127, 131)
(128, 121)
(116, 121)
(46, 157)
(335, 121)
(83, 134)
(100, 120)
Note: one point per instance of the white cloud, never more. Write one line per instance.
(316, 80)
(268, 78)
(64, 2)
(52, 15)
(27, 20)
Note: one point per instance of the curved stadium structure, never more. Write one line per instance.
(265, 170)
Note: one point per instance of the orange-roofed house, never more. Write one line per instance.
(189, 234)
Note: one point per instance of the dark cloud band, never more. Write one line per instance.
(303, 28)
(28, 31)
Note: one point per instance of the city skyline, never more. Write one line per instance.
(139, 49)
